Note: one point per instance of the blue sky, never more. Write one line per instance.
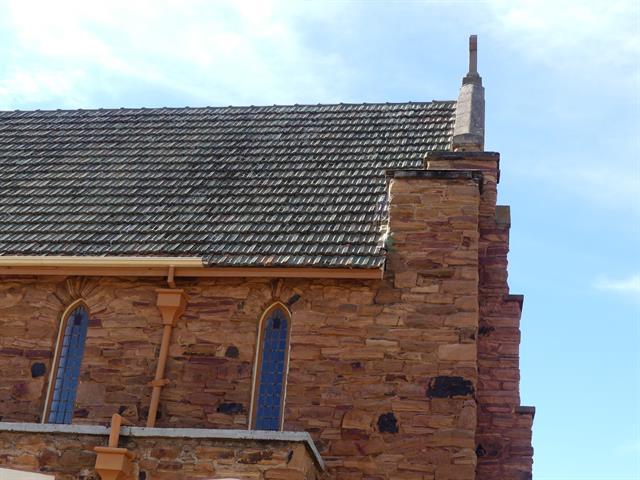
(562, 85)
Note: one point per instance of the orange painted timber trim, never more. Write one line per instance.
(114, 434)
(163, 271)
(171, 303)
(89, 261)
(113, 463)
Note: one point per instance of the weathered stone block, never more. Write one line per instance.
(357, 420)
(457, 352)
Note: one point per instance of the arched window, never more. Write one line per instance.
(270, 379)
(63, 385)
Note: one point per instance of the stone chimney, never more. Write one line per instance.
(468, 133)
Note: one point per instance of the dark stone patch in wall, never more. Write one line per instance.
(144, 412)
(230, 408)
(447, 387)
(46, 457)
(294, 298)
(81, 413)
(255, 457)
(467, 333)
(142, 475)
(38, 369)
(205, 359)
(484, 330)
(356, 365)
(387, 423)
(394, 377)
(232, 352)
(37, 353)
(129, 411)
(490, 449)
(94, 322)
(11, 352)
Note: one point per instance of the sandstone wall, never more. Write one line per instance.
(504, 427)
(383, 373)
(71, 457)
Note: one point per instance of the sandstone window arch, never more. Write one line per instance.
(65, 370)
(271, 368)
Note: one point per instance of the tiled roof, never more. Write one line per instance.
(295, 185)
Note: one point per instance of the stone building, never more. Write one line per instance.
(286, 292)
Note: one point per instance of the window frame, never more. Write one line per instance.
(55, 364)
(257, 366)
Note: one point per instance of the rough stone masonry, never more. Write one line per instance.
(414, 376)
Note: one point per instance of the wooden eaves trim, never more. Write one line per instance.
(160, 266)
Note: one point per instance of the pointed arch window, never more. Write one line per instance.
(63, 386)
(271, 369)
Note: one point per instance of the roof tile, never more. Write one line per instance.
(295, 185)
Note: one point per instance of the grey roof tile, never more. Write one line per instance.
(298, 185)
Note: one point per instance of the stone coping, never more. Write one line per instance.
(222, 434)
(451, 155)
(440, 174)
(526, 410)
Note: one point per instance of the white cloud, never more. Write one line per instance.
(598, 38)
(629, 286)
(581, 115)
(243, 51)
(216, 52)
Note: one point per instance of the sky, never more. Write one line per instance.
(562, 82)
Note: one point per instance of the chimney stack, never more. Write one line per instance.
(468, 133)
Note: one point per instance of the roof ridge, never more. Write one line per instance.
(220, 107)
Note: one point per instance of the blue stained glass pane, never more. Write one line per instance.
(268, 414)
(66, 383)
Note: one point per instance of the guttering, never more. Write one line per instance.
(172, 303)
(72, 261)
(163, 266)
